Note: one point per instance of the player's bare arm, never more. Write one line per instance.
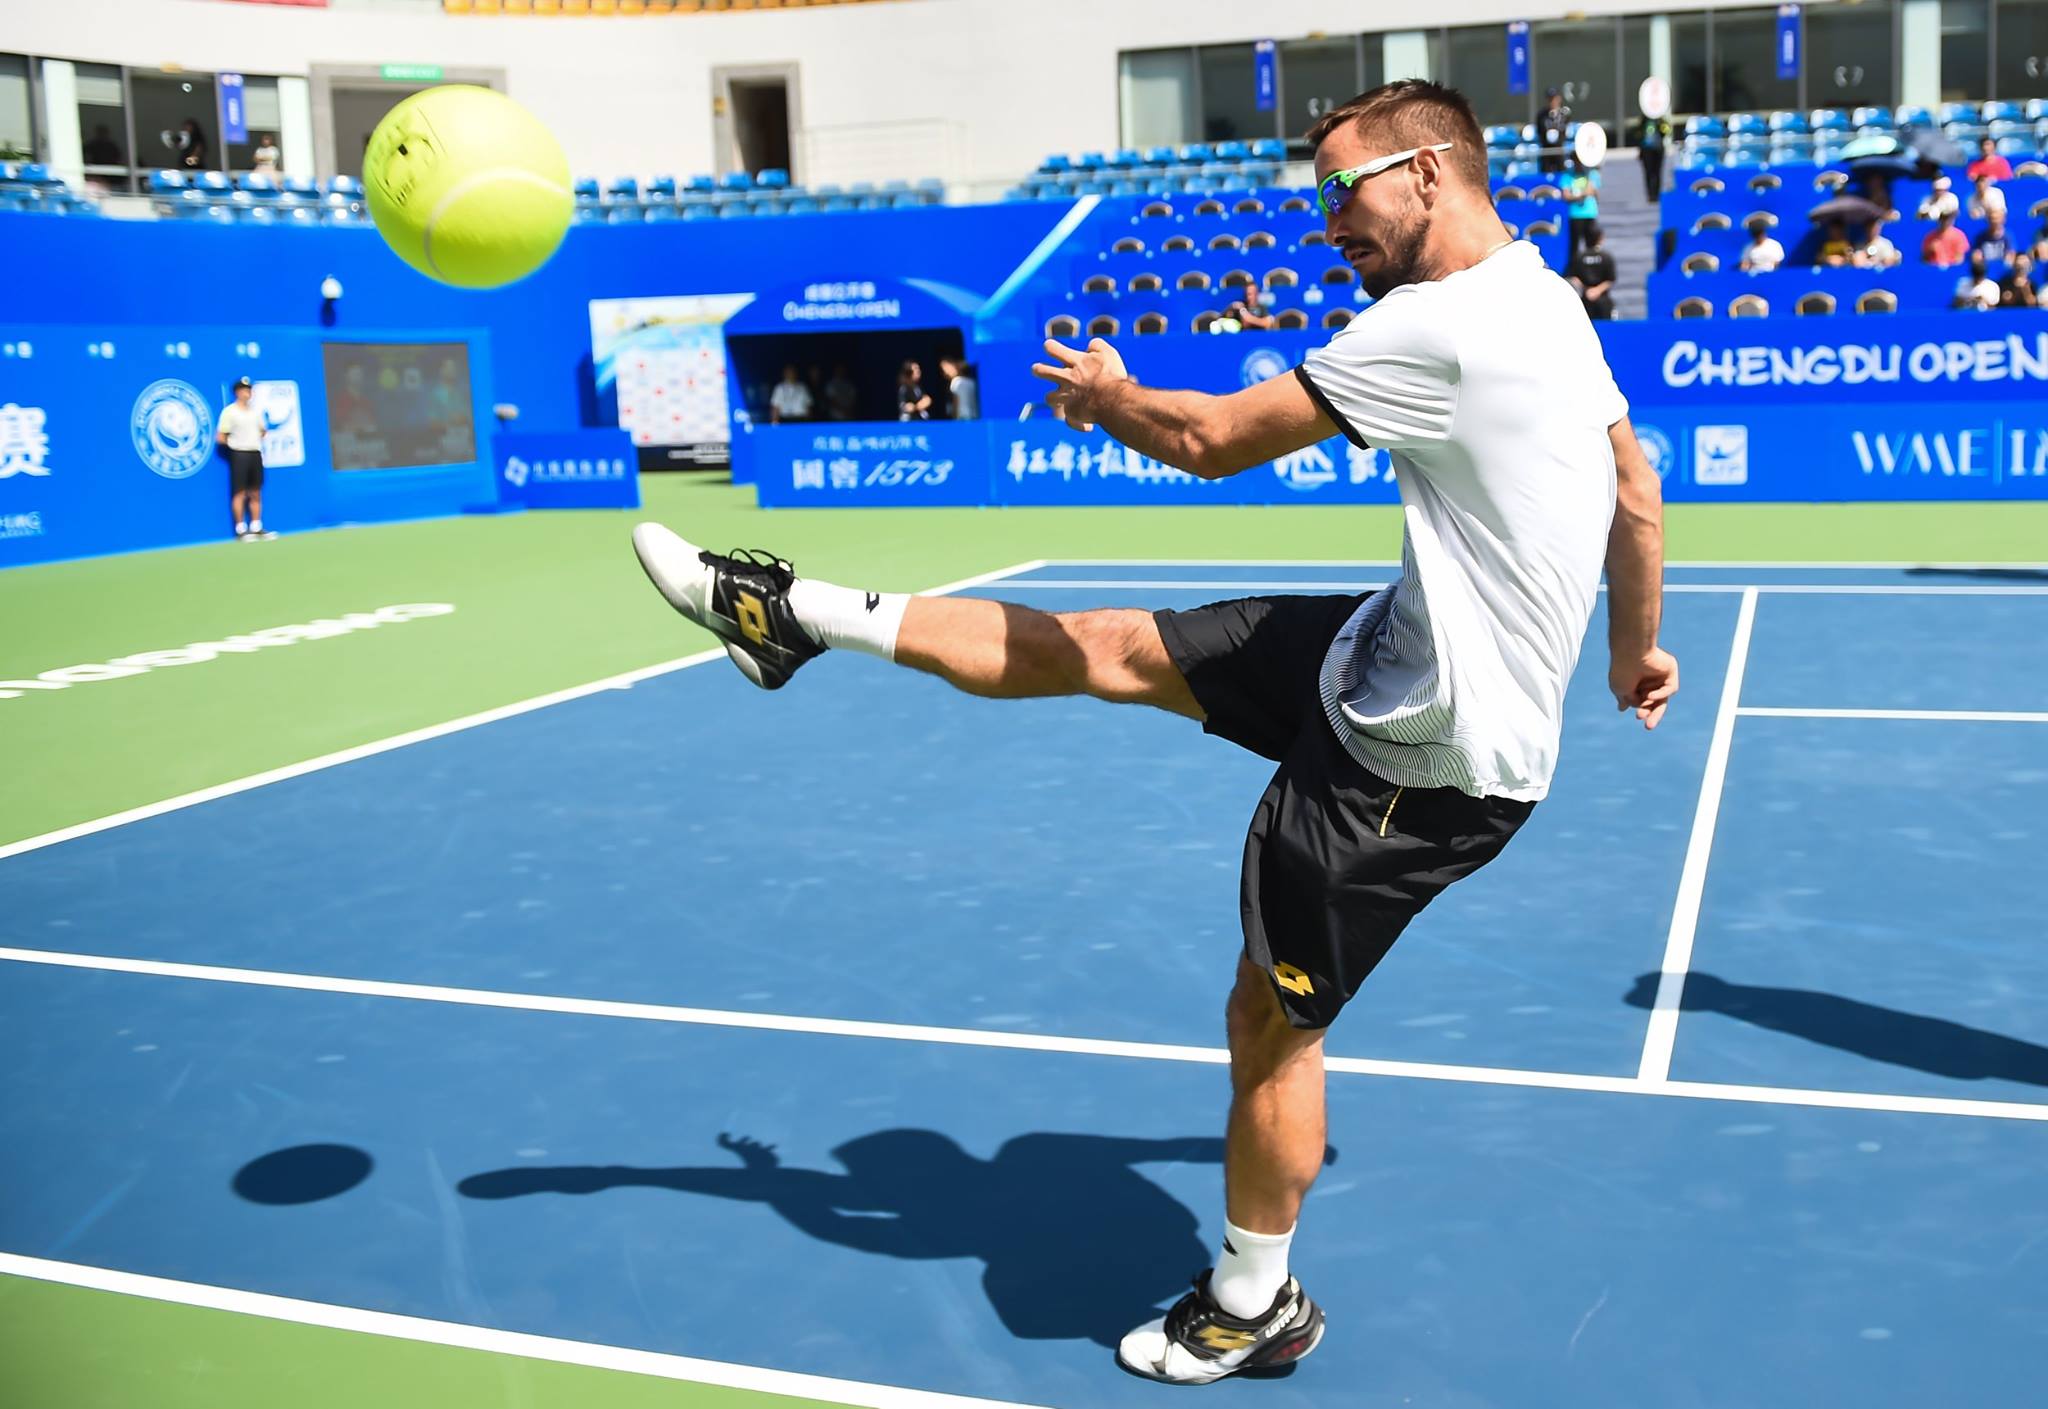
(1642, 675)
(1213, 437)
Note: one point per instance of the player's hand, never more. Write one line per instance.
(1080, 378)
(1644, 683)
(752, 1153)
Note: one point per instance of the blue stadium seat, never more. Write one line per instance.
(1910, 116)
(212, 182)
(586, 189)
(1875, 117)
(1231, 152)
(2001, 110)
(801, 205)
(1705, 125)
(773, 178)
(584, 214)
(1743, 124)
(840, 204)
(1269, 149)
(1828, 120)
(662, 188)
(1056, 163)
(187, 204)
(301, 188)
(1788, 122)
(218, 214)
(1125, 158)
(735, 181)
(164, 183)
(302, 215)
(663, 213)
(931, 187)
(257, 214)
(1195, 153)
(623, 188)
(260, 184)
(345, 186)
(1159, 156)
(701, 185)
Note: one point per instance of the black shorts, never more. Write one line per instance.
(1338, 860)
(245, 470)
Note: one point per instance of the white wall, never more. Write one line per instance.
(1009, 80)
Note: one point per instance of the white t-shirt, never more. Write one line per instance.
(1982, 207)
(791, 400)
(1491, 393)
(244, 426)
(1766, 254)
(1972, 292)
(1938, 203)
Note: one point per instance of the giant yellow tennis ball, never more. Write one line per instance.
(467, 186)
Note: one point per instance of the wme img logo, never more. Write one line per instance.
(172, 428)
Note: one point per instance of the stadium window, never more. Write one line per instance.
(1689, 64)
(1477, 65)
(1579, 58)
(103, 125)
(260, 105)
(2019, 49)
(163, 103)
(1746, 63)
(1965, 50)
(1316, 76)
(1228, 89)
(1849, 55)
(17, 127)
(1635, 67)
(1156, 91)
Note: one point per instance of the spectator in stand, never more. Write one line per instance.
(1656, 136)
(1582, 190)
(962, 389)
(1993, 242)
(1940, 201)
(2016, 290)
(1945, 246)
(101, 149)
(1989, 163)
(1835, 251)
(1763, 253)
(1551, 125)
(189, 142)
(1877, 252)
(1592, 273)
(2040, 249)
(267, 156)
(791, 399)
(913, 403)
(1985, 197)
(1246, 313)
(842, 397)
(1977, 289)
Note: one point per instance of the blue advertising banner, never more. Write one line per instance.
(1518, 57)
(582, 469)
(1042, 462)
(107, 438)
(1788, 41)
(1911, 407)
(857, 464)
(1265, 75)
(234, 108)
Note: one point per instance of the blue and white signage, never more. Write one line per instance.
(234, 108)
(1265, 75)
(172, 427)
(1518, 57)
(1788, 41)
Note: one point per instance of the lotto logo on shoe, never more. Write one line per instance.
(1720, 455)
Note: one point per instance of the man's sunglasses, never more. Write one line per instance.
(1337, 186)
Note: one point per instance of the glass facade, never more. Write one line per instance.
(1849, 55)
(2019, 49)
(1156, 88)
(259, 107)
(17, 110)
(1965, 49)
(1580, 59)
(1230, 99)
(1745, 63)
(1476, 64)
(1316, 75)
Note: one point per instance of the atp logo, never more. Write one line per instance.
(170, 426)
(1658, 450)
(24, 444)
(1720, 455)
(1262, 364)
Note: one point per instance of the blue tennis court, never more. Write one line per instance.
(824, 1032)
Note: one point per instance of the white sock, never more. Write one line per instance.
(241, 528)
(848, 617)
(255, 525)
(1250, 1271)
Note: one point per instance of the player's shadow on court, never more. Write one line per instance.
(1077, 1243)
(1933, 1045)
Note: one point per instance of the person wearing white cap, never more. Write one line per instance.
(1940, 201)
(240, 433)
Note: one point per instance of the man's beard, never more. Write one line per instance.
(1400, 260)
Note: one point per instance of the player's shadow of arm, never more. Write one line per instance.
(1933, 1045)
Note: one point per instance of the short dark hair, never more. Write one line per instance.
(1413, 112)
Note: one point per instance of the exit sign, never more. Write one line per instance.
(410, 73)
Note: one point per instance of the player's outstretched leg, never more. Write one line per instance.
(772, 621)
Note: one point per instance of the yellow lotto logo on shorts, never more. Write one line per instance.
(752, 617)
(1293, 980)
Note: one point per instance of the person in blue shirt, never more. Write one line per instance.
(1581, 188)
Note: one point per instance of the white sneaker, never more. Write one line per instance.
(1198, 1342)
(741, 598)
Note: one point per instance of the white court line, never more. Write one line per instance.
(1692, 880)
(1727, 589)
(1971, 716)
(1675, 563)
(420, 736)
(484, 1338)
(1013, 1041)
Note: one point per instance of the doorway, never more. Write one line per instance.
(754, 110)
(349, 100)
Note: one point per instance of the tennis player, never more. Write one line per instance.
(1415, 728)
